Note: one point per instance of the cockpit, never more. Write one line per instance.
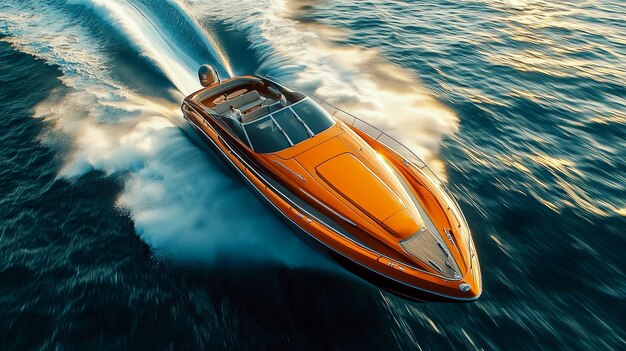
(267, 124)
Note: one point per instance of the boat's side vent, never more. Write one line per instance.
(425, 246)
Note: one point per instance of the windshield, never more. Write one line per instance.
(288, 126)
(265, 136)
(313, 115)
(292, 124)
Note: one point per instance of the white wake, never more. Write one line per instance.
(184, 204)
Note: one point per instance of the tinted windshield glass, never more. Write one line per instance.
(294, 129)
(265, 136)
(313, 115)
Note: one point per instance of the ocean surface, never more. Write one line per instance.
(119, 230)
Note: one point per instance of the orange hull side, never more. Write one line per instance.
(424, 188)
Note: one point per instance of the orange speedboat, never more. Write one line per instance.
(346, 186)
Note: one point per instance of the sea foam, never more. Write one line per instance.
(185, 204)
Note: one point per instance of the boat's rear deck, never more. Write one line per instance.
(254, 98)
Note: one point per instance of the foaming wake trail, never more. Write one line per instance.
(184, 204)
(152, 41)
(359, 79)
(209, 38)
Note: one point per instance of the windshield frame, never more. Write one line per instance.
(281, 129)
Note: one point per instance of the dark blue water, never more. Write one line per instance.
(118, 230)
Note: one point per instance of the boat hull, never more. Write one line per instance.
(377, 278)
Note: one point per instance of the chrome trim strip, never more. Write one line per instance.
(281, 130)
(301, 121)
(290, 170)
(449, 236)
(328, 208)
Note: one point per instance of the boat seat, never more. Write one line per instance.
(243, 102)
(251, 100)
(222, 108)
(251, 96)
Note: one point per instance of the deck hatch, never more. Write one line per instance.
(356, 183)
(424, 246)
